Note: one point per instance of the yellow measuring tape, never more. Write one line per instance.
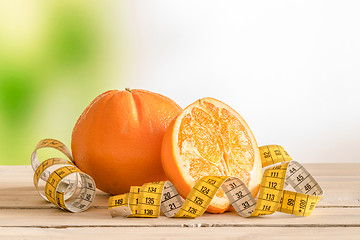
(72, 190)
(280, 170)
(63, 180)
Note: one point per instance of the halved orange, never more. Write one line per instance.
(209, 138)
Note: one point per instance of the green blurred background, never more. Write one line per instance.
(55, 57)
(295, 80)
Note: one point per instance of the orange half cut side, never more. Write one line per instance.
(209, 138)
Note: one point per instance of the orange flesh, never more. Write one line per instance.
(212, 141)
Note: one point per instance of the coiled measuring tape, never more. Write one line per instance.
(280, 170)
(64, 181)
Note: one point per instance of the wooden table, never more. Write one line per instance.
(25, 215)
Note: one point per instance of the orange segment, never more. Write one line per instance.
(210, 138)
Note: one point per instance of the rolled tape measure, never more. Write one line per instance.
(279, 171)
(66, 186)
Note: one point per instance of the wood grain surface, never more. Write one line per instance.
(25, 215)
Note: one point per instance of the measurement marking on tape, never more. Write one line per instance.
(241, 198)
(301, 181)
(201, 192)
(151, 192)
(268, 200)
(166, 199)
(196, 203)
(316, 184)
(270, 155)
(291, 174)
(275, 177)
(233, 188)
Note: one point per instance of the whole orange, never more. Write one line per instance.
(117, 139)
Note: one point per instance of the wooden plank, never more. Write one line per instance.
(333, 169)
(250, 233)
(56, 218)
(340, 191)
(316, 169)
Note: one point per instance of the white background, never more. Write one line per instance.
(290, 68)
